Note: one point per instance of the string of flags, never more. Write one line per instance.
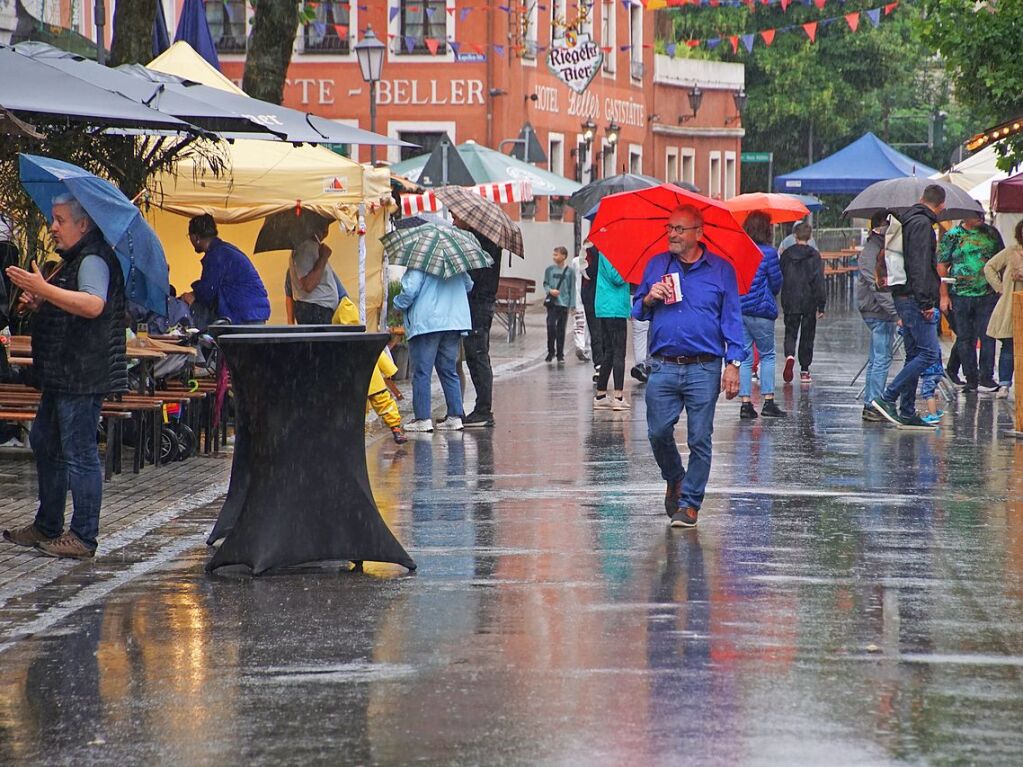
(810, 28)
(435, 44)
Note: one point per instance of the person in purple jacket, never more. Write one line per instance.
(759, 312)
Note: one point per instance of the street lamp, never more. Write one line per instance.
(739, 97)
(370, 52)
(695, 99)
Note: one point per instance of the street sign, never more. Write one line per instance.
(756, 156)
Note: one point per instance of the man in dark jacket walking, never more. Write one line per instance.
(482, 300)
(878, 312)
(78, 353)
(803, 299)
(916, 303)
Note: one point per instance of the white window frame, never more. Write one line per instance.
(610, 158)
(730, 170)
(609, 36)
(636, 41)
(587, 28)
(636, 150)
(556, 139)
(394, 42)
(395, 127)
(583, 161)
(671, 159)
(687, 165)
(559, 9)
(353, 38)
(531, 38)
(714, 184)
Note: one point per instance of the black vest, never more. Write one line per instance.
(75, 355)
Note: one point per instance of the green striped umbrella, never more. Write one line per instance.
(438, 250)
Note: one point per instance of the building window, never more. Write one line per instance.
(427, 141)
(329, 31)
(226, 20)
(559, 18)
(608, 38)
(688, 167)
(636, 42)
(529, 36)
(729, 175)
(714, 182)
(556, 155)
(555, 208)
(635, 162)
(423, 20)
(609, 157)
(671, 166)
(586, 17)
(528, 209)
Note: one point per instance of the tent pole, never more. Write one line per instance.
(362, 263)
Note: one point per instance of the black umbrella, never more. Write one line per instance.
(899, 194)
(30, 87)
(285, 230)
(590, 195)
(411, 222)
(148, 92)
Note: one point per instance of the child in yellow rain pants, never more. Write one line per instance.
(380, 385)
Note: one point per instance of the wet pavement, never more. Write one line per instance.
(853, 595)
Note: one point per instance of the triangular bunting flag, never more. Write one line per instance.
(734, 40)
(410, 43)
(747, 42)
(451, 11)
(811, 30)
(713, 43)
(433, 44)
(785, 4)
(853, 20)
(693, 43)
(341, 30)
(499, 50)
(768, 35)
(455, 46)
(670, 49)
(874, 16)
(820, 3)
(890, 7)
(464, 12)
(392, 13)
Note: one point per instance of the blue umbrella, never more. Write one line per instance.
(195, 30)
(146, 278)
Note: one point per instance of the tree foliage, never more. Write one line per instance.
(806, 100)
(980, 43)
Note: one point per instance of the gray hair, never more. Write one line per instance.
(75, 207)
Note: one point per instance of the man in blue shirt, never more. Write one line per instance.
(229, 286)
(690, 334)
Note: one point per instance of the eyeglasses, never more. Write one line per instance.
(679, 229)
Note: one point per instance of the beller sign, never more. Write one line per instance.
(575, 65)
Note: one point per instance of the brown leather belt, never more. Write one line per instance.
(687, 360)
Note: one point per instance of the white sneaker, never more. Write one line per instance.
(990, 388)
(1003, 392)
(419, 425)
(450, 424)
(603, 403)
(619, 403)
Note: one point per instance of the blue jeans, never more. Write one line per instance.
(922, 351)
(669, 389)
(435, 350)
(1005, 362)
(64, 444)
(879, 358)
(972, 316)
(759, 331)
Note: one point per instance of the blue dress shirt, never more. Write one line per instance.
(230, 285)
(707, 320)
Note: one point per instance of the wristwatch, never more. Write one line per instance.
(736, 363)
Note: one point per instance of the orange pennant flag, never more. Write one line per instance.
(819, 3)
(891, 7)
(734, 40)
(433, 44)
(811, 30)
(768, 35)
(853, 20)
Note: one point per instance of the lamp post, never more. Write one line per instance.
(370, 52)
(695, 99)
(611, 134)
(589, 133)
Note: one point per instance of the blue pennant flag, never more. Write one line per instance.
(410, 43)
(392, 13)
(670, 49)
(713, 43)
(747, 43)
(874, 16)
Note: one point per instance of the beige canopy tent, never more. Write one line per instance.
(267, 177)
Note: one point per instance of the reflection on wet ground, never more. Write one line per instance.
(852, 596)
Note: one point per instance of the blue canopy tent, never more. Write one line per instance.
(852, 169)
(195, 30)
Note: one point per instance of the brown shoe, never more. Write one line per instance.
(671, 496)
(67, 546)
(685, 517)
(29, 535)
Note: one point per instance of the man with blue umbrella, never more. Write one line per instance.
(78, 350)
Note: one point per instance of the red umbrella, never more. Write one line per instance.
(629, 230)
(782, 208)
